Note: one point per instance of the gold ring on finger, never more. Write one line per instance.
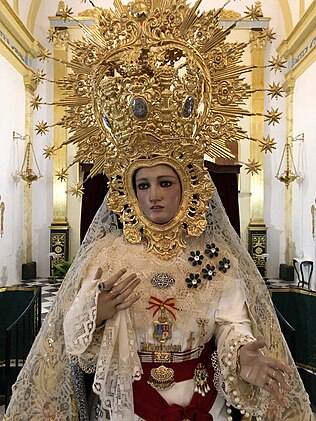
(113, 293)
(273, 374)
(270, 381)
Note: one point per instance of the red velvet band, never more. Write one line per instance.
(151, 406)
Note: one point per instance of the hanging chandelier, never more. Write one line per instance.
(289, 172)
(27, 172)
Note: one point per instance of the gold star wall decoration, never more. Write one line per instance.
(62, 174)
(42, 128)
(76, 189)
(277, 63)
(275, 90)
(66, 13)
(36, 102)
(49, 151)
(38, 76)
(253, 167)
(52, 34)
(268, 34)
(267, 144)
(273, 116)
(44, 55)
(253, 12)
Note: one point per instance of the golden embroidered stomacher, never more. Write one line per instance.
(161, 378)
(154, 83)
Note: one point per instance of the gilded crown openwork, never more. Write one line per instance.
(154, 82)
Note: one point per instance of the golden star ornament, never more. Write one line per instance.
(36, 102)
(275, 90)
(267, 144)
(38, 77)
(49, 151)
(42, 128)
(277, 63)
(62, 174)
(253, 167)
(76, 189)
(273, 116)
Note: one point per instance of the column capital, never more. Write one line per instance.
(257, 41)
(289, 84)
(29, 84)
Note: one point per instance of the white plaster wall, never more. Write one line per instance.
(304, 193)
(295, 10)
(23, 10)
(12, 118)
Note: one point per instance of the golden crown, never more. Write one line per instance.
(155, 81)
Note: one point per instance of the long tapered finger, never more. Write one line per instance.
(122, 296)
(128, 302)
(112, 280)
(280, 378)
(119, 287)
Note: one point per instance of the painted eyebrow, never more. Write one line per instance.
(159, 177)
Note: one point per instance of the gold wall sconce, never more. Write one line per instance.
(287, 172)
(27, 172)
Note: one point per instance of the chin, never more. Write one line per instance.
(160, 221)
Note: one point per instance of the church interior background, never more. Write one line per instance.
(39, 215)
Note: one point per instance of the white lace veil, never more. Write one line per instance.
(44, 389)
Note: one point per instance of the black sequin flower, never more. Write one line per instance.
(193, 280)
(196, 258)
(211, 250)
(224, 265)
(209, 272)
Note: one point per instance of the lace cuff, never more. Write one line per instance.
(82, 339)
(249, 399)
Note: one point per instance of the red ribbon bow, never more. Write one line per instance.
(157, 304)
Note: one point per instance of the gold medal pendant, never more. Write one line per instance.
(162, 327)
(161, 378)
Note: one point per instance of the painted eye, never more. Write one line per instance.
(188, 107)
(142, 186)
(139, 108)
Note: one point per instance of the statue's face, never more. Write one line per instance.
(158, 190)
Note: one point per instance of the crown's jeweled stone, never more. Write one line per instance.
(140, 108)
(106, 120)
(188, 107)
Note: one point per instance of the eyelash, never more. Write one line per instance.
(164, 183)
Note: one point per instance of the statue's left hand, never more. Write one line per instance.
(263, 371)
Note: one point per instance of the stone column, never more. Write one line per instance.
(288, 205)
